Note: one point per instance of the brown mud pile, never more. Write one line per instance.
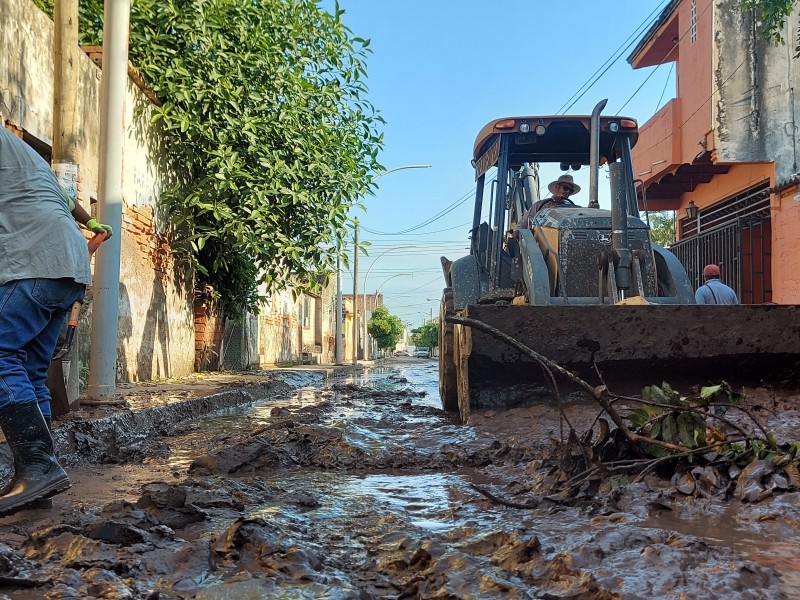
(367, 490)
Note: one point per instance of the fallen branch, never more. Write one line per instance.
(533, 504)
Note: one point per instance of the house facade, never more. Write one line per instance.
(722, 153)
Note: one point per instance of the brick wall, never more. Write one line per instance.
(209, 326)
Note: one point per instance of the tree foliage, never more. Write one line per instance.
(266, 117)
(426, 336)
(772, 14)
(662, 228)
(385, 328)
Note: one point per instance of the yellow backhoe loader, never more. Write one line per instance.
(584, 286)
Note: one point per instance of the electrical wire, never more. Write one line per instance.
(666, 83)
(428, 221)
(610, 61)
(445, 211)
(666, 54)
(426, 232)
(669, 135)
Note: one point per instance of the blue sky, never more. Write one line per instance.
(440, 70)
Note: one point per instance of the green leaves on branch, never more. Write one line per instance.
(662, 227)
(266, 120)
(668, 416)
(426, 336)
(772, 14)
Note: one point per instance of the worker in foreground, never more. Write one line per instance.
(44, 269)
(713, 291)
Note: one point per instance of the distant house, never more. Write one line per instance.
(725, 147)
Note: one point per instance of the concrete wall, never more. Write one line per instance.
(159, 333)
(693, 77)
(756, 120)
(757, 111)
(785, 257)
(289, 329)
(156, 329)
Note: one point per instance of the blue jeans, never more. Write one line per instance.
(32, 312)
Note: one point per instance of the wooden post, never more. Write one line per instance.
(65, 163)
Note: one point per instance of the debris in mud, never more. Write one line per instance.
(17, 571)
(666, 432)
(362, 390)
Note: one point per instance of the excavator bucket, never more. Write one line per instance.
(623, 347)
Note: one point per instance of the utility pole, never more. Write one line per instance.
(65, 157)
(338, 344)
(355, 294)
(105, 314)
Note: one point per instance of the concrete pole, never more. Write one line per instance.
(105, 313)
(66, 158)
(355, 294)
(338, 344)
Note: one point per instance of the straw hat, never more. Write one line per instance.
(566, 180)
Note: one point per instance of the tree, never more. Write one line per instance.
(385, 328)
(268, 126)
(662, 228)
(773, 13)
(426, 336)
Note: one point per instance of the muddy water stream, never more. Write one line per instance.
(363, 488)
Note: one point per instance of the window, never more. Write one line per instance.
(306, 314)
(693, 28)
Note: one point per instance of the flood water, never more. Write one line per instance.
(362, 487)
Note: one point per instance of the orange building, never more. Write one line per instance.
(722, 154)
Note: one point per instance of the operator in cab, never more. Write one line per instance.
(561, 190)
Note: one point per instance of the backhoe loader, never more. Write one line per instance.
(583, 286)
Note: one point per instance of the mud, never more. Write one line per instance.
(363, 488)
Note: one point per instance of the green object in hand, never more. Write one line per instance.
(99, 227)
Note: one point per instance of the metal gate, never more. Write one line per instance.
(735, 234)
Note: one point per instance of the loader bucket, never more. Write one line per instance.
(630, 346)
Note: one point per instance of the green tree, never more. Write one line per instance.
(385, 327)
(662, 227)
(426, 336)
(265, 113)
(772, 14)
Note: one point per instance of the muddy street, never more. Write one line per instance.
(361, 487)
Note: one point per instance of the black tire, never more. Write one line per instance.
(448, 383)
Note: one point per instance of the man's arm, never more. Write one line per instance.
(85, 219)
(79, 214)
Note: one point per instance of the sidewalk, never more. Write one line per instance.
(142, 410)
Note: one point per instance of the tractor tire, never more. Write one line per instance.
(448, 386)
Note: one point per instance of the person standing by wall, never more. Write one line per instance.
(44, 270)
(713, 291)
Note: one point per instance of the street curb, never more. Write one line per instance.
(112, 438)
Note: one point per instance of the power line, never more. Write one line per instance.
(610, 61)
(666, 54)
(430, 220)
(666, 83)
(426, 232)
(669, 135)
(445, 211)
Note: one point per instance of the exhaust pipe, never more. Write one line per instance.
(594, 154)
